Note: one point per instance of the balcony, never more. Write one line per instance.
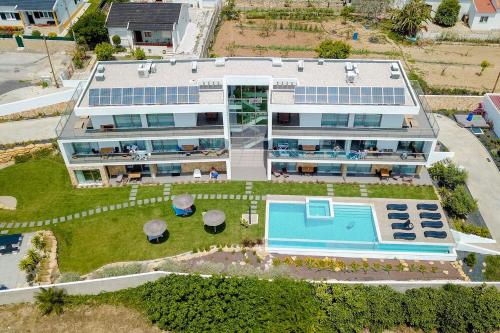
(166, 44)
(142, 156)
(369, 156)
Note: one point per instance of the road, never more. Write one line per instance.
(27, 130)
(484, 177)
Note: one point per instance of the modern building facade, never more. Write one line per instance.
(247, 118)
(491, 105)
(49, 14)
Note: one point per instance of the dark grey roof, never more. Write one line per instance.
(143, 16)
(45, 5)
(8, 3)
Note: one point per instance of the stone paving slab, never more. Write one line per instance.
(62, 218)
(2, 225)
(231, 196)
(17, 225)
(24, 225)
(105, 208)
(69, 217)
(76, 215)
(84, 214)
(39, 223)
(4, 232)
(132, 204)
(10, 225)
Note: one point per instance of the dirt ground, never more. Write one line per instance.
(441, 64)
(83, 319)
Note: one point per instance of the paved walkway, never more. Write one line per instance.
(28, 130)
(484, 177)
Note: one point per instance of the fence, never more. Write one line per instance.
(492, 37)
(94, 287)
(72, 103)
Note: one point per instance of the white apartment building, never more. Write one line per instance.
(248, 119)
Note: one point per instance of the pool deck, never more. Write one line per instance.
(384, 223)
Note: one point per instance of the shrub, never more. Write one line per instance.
(104, 51)
(116, 40)
(39, 242)
(91, 27)
(492, 272)
(347, 12)
(470, 228)
(458, 202)
(408, 20)
(52, 35)
(118, 271)
(208, 267)
(69, 277)
(36, 33)
(449, 175)
(229, 11)
(421, 307)
(50, 300)
(170, 265)
(470, 260)
(139, 54)
(447, 13)
(333, 49)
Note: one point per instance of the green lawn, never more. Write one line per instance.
(43, 190)
(424, 192)
(263, 188)
(492, 272)
(229, 187)
(149, 191)
(346, 190)
(87, 244)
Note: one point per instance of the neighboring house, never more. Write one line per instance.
(480, 15)
(160, 120)
(50, 14)
(158, 28)
(491, 104)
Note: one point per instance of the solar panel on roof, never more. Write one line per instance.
(93, 97)
(105, 96)
(349, 95)
(127, 96)
(161, 95)
(116, 96)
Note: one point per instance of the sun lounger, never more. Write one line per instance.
(431, 224)
(182, 212)
(398, 216)
(431, 216)
(404, 235)
(432, 207)
(435, 234)
(400, 207)
(402, 225)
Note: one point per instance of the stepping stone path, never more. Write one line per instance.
(363, 190)
(329, 190)
(248, 188)
(133, 192)
(166, 190)
(253, 207)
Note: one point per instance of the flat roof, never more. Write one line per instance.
(315, 72)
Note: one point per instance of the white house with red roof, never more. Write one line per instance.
(492, 108)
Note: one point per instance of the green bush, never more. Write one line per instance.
(118, 271)
(36, 33)
(470, 260)
(469, 228)
(421, 308)
(116, 40)
(139, 54)
(333, 49)
(458, 202)
(51, 300)
(492, 272)
(91, 28)
(39, 154)
(447, 13)
(104, 51)
(449, 176)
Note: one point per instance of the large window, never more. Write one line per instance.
(404, 169)
(10, 16)
(329, 168)
(363, 144)
(211, 143)
(85, 147)
(367, 120)
(483, 19)
(164, 145)
(168, 169)
(334, 120)
(291, 144)
(359, 169)
(128, 121)
(140, 144)
(332, 145)
(88, 176)
(280, 166)
(160, 120)
(411, 146)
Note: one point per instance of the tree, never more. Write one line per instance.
(470, 260)
(484, 64)
(116, 40)
(229, 11)
(408, 20)
(373, 9)
(447, 13)
(458, 202)
(139, 54)
(104, 51)
(50, 300)
(267, 28)
(92, 28)
(333, 49)
(448, 176)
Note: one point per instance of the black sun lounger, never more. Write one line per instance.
(431, 224)
(402, 225)
(404, 235)
(435, 234)
(398, 216)
(432, 207)
(431, 216)
(400, 207)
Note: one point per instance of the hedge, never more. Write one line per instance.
(195, 304)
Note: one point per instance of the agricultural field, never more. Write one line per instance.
(276, 32)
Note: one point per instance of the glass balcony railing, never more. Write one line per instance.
(380, 156)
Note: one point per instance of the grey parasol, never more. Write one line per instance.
(155, 228)
(214, 218)
(183, 201)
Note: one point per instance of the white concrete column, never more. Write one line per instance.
(269, 165)
(63, 152)
(228, 169)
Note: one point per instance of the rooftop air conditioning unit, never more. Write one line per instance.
(99, 77)
(300, 65)
(100, 69)
(194, 66)
(220, 62)
(351, 76)
(321, 61)
(153, 68)
(142, 71)
(172, 61)
(277, 62)
(395, 72)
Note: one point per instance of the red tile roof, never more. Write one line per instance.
(496, 101)
(485, 6)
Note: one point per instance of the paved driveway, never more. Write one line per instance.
(10, 275)
(484, 177)
(27, 130)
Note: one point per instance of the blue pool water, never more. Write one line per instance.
(352, 228)
(319, 208)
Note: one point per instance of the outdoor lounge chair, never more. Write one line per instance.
(404, 235)
(435, 234)
(398, 216)
(431, 224)
(432, 207)
(431, 216)
(402, 225)
(182, 212)
(400, 207)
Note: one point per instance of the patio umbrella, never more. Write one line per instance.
(154, 228)
(214, 218)
(183, 201)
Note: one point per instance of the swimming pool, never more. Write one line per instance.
(351, 229)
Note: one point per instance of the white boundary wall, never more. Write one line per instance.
(94, 287)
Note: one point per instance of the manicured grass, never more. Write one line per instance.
(346, 190)
(492, 272)
(263, 188)
(424, 192)
(115, 236)
(220, 187)
(149, 191)
(43, 190)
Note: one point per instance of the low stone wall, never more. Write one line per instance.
(451, 102)
(45, 111)
(8, 155)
